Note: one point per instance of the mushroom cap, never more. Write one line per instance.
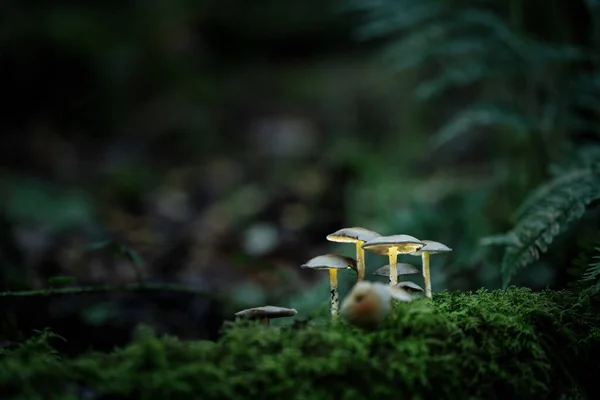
(330, 261)
(403, 243)
(403, 269)
(352, 235)
(399, 294)
(431, 247)
(267, 312)
(369, 303)
(408, 285)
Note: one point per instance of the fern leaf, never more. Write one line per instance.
(495, 26)
(547, 213)
(400, 16)
(504, 239)
(422, 45)
(541, 55)
(593, 271)
(481, 115)
(459, 76)
(543, 191)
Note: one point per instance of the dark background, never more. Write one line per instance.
(221, 141)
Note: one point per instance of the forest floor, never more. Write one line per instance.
(487, 344)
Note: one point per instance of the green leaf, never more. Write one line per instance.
(98, 245)
(593, 272)
(134, 256)
(482, 115)
(547, 213)
(505, 239)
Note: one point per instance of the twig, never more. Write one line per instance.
(133, 287)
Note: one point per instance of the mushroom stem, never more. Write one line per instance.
(393, 255)
(265, 321)
(426, 276)
(333, 284)
(360, 261)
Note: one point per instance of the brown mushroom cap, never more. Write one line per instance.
(267, 312)
(403, 269)
(330, 261)
(404, 244)
(352, 235)
(409, 286)
(431, 247)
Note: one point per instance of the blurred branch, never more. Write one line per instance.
(135, 287)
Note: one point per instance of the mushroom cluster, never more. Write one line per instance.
(367, 303)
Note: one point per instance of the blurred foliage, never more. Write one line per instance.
(547, 212)
(491, 76)
(593, 271)
(488, 344)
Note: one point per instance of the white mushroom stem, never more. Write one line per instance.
(426, 276)
(333, 284)
(393, 255)
(360, 261)
(265, 321)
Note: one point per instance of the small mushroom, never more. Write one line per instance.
(369, 303)
(430, 247)
(358, 236)
(409, 286)
(402, 268)
(391, 246)
(398, 293)
(266, 313)
(333, 263)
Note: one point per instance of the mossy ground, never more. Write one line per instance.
(502, 344)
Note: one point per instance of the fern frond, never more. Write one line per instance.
(388, 18)
(503, 239)
(541, 54)
(546, 190)
(585, 91)
(481, 114)
(459, 76)
(547, 213)
(422, 45)
(593, 271)
(495, 26)
(589, 157)
(473, 43)
(491, 61)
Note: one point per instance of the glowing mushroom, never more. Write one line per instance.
(409, 286)
(266, 313)
(391, 246)
(333, 263)
(430, 247)
(358, 236)
(369, 303)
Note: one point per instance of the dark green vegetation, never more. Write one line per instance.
(528, 90)
(511, 343)
(215, 144)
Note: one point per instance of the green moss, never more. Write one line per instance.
(502, 344)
